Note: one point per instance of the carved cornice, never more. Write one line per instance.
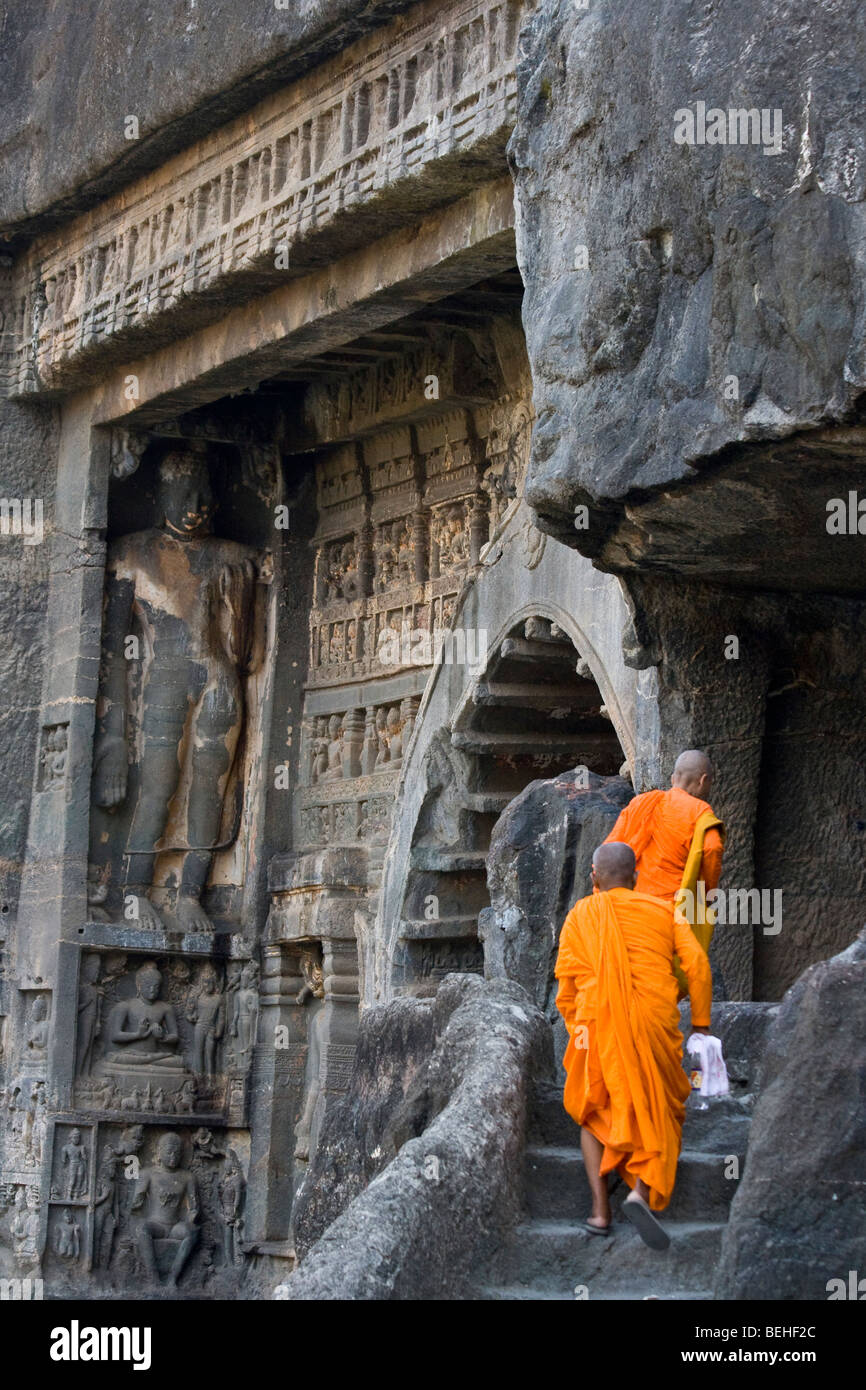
(324, 165)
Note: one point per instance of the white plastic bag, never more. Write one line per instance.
(711, 1065)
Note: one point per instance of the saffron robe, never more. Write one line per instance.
(618, 995)
(660, 827)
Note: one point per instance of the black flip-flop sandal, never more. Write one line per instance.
(650, 1230)
(598, 1230)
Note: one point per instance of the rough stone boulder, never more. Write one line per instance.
(538, 866)
(683, 299)
(798, 1218)
(452, 1125)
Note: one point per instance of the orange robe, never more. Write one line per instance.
(618, 996)
(659, 827)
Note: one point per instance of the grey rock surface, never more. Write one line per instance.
(451, 1191)
(798, 1217)
(538, 866)
(657, 271)
(71, 73)
(28, 438)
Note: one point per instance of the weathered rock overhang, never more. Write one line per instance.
(694, 311)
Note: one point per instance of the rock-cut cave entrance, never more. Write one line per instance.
(533, 712)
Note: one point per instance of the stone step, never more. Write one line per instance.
(722, 1128)
(582, 747)
(557, 1187)
(562, 1254)
(537, 652)
(536, 695)
(503, 1293)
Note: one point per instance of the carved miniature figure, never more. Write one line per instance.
(67, 1237)
(312, 988)
(37, 1027)
(334, 772)
(194, 596)
(384, 754)
(24, 1226)
(97, 893)
(106, 1205)
(207, 1012)
(245, 1014)
(231, 1195)
(90, 996)
(186, 1098)
(73, 1156)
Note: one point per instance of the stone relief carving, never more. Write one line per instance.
(167, 1198)
(245, 1014)
(450, 540)
(508, 446)
(143, 1031)
(26, 1105)
(52, 757)
(73, 1157)
(90, 997)
(24, 1227)
(36, 1026)
(166, 753)
(162, 1208)
(67, 1236)
(318, 147)
(162, 1039)
(207, 1014)
(342, 577)
(313, 988)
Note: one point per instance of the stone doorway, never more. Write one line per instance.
(534, 711)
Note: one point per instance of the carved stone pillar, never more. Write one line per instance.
(277, 1095)
(365, 560)
(408, 711)
(420, 545)
(371, 742)
(340, 1025)
(319, 576)
(353, 740)
(479, 528)
(434, 547)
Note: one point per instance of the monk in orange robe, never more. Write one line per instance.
(660, 827)
(678, 842)
(625, 1083)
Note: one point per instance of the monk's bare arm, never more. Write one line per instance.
(566, 1000)
(696, 968)
(711, 863)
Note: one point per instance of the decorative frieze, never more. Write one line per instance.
(337, 144)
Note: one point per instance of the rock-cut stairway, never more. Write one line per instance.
(551, 1256)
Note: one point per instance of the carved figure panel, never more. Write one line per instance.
(52, 757)
(161, 1037)
(182, 624)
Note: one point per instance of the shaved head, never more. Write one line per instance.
(693, 773)
(613, 866)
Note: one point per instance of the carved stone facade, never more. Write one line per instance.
(417, 96)
(249, 593)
